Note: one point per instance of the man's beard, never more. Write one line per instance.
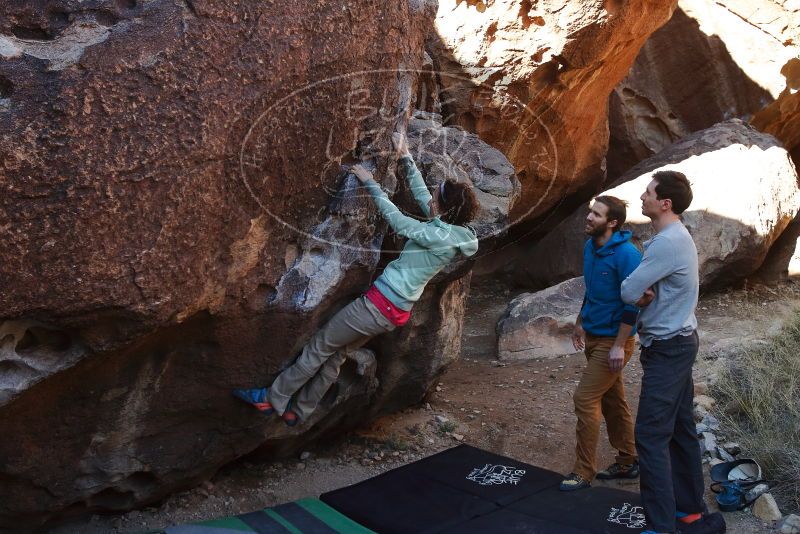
(596, 231)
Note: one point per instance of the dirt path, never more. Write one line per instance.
(521, 409)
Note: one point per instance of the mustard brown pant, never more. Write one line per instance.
(317, 367)
(601, 393)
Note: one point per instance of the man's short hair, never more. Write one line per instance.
(616, 209)
(674, 185)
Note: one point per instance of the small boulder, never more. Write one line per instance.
(725, 455)
(732, 447)
(705, 401)
(791, 525)
(540, 325)
(710, 443)
(766, 509)
(699, 412)
(711, 422)
(701, 388)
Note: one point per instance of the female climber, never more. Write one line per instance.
(430, 246)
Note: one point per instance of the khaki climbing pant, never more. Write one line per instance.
(601, 394)
(317, 367)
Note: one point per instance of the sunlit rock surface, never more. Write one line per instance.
(782, 117)
(713, 61)
(533, 78)
(745, 195)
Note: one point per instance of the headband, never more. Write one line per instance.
(441, 191)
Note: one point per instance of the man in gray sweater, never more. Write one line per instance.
(665, 286)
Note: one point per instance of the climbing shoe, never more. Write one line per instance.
(617, 470)
(707, 524)
(290, 418)
(257, 397)
(573, 482)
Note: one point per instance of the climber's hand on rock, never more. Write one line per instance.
(361, 173)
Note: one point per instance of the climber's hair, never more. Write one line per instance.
(458, 204)
(616, 209)
(673, 185)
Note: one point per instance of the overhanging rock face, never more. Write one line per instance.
(176, 224)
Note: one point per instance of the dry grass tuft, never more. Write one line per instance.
(759, 393)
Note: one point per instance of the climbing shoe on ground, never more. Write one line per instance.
(707, 524)
(687, 518)
(257, 397)
(616, 470)
(573, 482)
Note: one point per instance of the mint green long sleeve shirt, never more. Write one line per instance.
(430, 245)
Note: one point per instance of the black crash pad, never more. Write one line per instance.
(466, 489)
(598, 509)
(402, 501)
(496, 478)
(505, 521)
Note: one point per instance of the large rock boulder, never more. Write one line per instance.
(745, 194)
(734, 50)
(533, 78)
(540, 325)
(176, 224)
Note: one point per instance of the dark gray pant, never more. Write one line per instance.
(666, 439)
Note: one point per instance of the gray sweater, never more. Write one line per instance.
(669, 265)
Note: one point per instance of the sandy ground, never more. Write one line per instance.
(520, 409)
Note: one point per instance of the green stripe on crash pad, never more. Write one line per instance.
(306, 516)
(332, 518)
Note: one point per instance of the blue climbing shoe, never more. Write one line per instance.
(256, 397)
(289, 416)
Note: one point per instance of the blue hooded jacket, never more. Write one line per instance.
(604, 269)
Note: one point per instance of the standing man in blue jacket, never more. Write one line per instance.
(604, 330)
